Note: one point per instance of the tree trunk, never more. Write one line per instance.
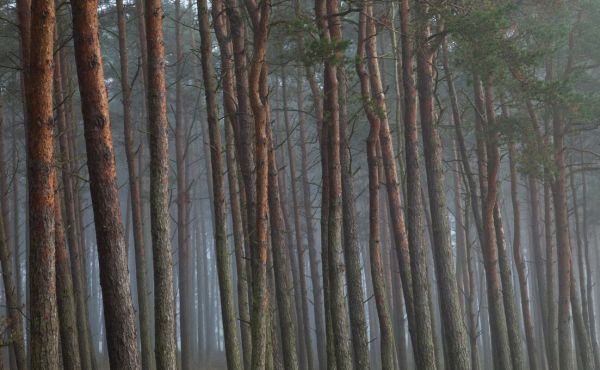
(282, 266)
(306, 332)
(136, 198)
(222, 31)
(11, 292)
(66, 303)
(164, 306)
(356, 295)
(366, 52)
(112, 251)
(310, 238)
(185, 295)
(453, 329)
(44, 332)
(520, 262)
(329, 22)
(563, 243)
(232, 346)
(488, 173)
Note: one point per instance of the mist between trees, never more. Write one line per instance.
(250, 184)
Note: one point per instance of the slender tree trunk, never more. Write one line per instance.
(282, 266)
(112, 251)
(552, 325)
(366, 49)
(563, 243)
(310, 238)
(136, 198)
(356, 295)
(232, 346)
(329, 22)
(306, 332)
(222, 31)
(453, 329)
(520, 262)
(589, 284)
(260, 15)
(488, 173)
(72, 228)
(185, 304)
(13, 305)
(66, 303)
(164, 296)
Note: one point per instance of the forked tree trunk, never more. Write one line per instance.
(366, 48)
(112, 251)
(222, 31)
(453, 326)
(232, 345)
(44, 332)
(164, 296)
(329, 22)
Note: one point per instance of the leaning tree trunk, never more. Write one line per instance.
(232, 346)
(44, 332)
(112, 251)
(366, 47)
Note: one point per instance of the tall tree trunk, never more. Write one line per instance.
(260, 14)
(365, 52)
(76, 252)
(488, 178)
(552, 325)
(185, 295)
(563, 243)
(230, 102)
(164, 296)
(520, 261)
(232, 346)
(136, 199)
(44, 332)
(69, 339)
(453, 329)
(356, 295)
(282, 266)
(112, 251)
(11, 292)
(589, 284)
(329, 22)
(306, 332)
(310, 238)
